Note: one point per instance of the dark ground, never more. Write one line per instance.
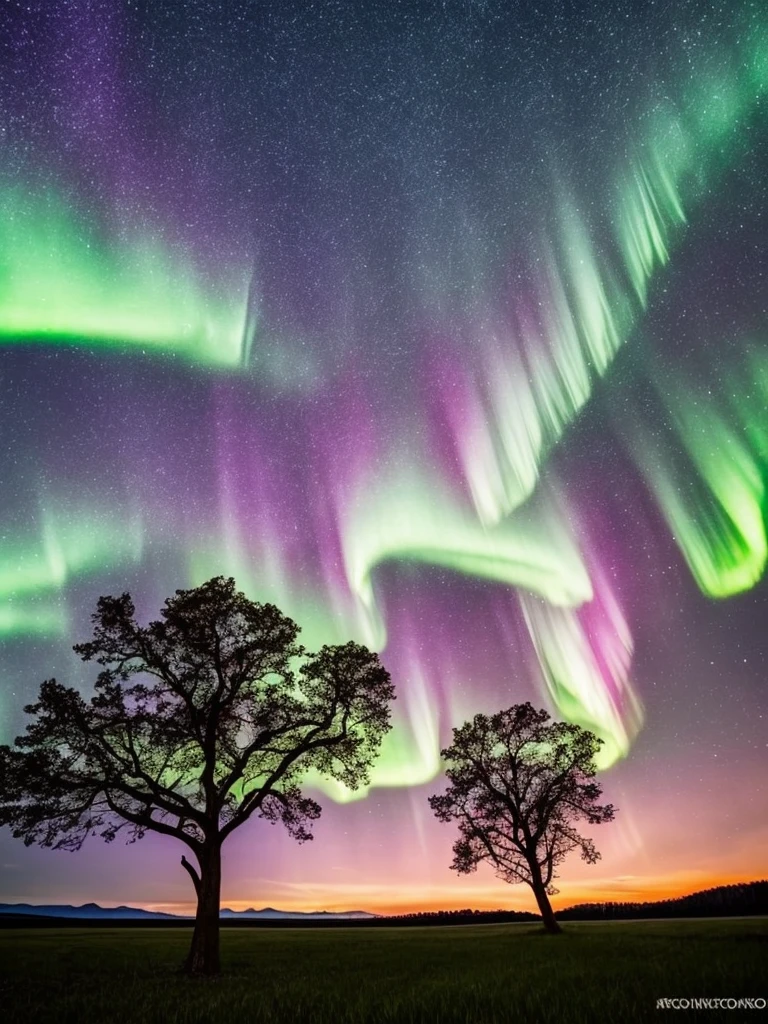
(478, 974)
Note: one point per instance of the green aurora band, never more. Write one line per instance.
(535, 379)
(77, 539)
(598, 697)
(64, 281)
(408, 514)
(714, 498)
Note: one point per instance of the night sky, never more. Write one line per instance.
(441, 325)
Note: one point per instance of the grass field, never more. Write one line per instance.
(486, 974)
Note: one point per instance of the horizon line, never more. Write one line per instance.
(154, 908)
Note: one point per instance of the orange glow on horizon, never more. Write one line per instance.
(626, 889)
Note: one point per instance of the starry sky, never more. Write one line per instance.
(442, 325)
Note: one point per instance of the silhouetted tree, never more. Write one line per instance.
(518, 783)
(199, 721)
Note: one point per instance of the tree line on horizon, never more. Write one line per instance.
(745, 899)
(215, 713)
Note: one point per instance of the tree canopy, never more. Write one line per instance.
(518, 784)
(198, 721)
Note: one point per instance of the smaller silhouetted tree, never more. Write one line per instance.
(518, 784)
(201, 720)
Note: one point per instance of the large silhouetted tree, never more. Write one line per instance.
(518, 784)
(199, 721)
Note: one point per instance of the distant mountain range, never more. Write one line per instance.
(269, 913)
(92, 911)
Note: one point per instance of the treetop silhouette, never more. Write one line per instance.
(518, 784)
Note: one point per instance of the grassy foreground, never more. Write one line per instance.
(478, 974)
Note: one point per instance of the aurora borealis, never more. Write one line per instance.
(443, 327)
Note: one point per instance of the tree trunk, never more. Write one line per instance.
(545, 907)
(203, 956)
